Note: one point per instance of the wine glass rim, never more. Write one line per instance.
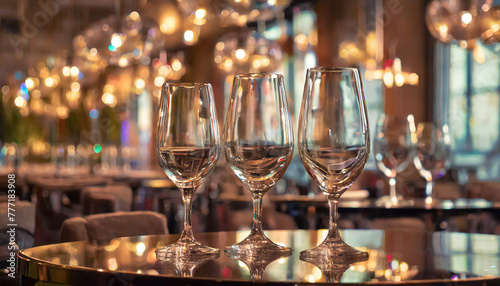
(187, 84)
(258, 75)
(332, 69)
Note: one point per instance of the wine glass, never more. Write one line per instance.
(334, 145)
(432, 156)
(259, 147)
(187, 148)
(392, 147)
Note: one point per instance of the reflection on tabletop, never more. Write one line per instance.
(257, 264)
(394, 255)
(184, 266)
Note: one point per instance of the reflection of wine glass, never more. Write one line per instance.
(332, 269)
(184, 265)
(259, 147)
(257, 264)
(187, 148)
(334, 144)
(432, 156)
(392, 147)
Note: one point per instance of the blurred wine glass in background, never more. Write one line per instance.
(393, 147)
(432, 156)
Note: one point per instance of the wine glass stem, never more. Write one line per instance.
(392, 190)
(333, 231)
(257, 214)
(256, 274)
(187, 200)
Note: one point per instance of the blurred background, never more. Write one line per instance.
(81, 80)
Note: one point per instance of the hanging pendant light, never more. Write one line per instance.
(247, 52)
(118, 41)
(240, 12)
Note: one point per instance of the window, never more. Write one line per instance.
(467, 89)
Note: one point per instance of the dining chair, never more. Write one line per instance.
(112, 225)
(104, 199)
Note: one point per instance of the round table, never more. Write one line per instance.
(439, 258)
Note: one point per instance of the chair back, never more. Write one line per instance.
(112, 225)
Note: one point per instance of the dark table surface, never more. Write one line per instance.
(439, 258)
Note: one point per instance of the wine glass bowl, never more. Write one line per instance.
(432, 156)
(187, 148)
(258, 143)
(334, 145)
(393, 148)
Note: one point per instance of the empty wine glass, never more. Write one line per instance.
(392, 147)
(259, 147)
(187, 148)
(432, 156)
(334, 145)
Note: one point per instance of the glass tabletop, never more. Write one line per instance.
(395, 255)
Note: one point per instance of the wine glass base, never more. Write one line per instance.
(334, 250)
(186, 248)
(257, 245)
(388, 202)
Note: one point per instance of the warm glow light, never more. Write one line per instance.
(140, 247)
(66, 71)
(240, 54)
(122, 62)
(75, 87)
(228, 64)
(112, 265)
(220, 46)
(109, 99)
(169, 25)
(443, 30)
(29, 83)
(200, 13)
(388, 79)
(478, 54)
(159, 80)
(5, 89)
(62, 112)
(93, 51)
(413, 79)
(20, 102)
(75, 71)
(139, 83)
(188, 36)
(116, 40)
(466, 18)
(176, 65)
(134, 16)
(164, 70)
(403, 266)
(49, 82)
(399, 80)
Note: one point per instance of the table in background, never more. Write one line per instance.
(436, 216)
(438, 258)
